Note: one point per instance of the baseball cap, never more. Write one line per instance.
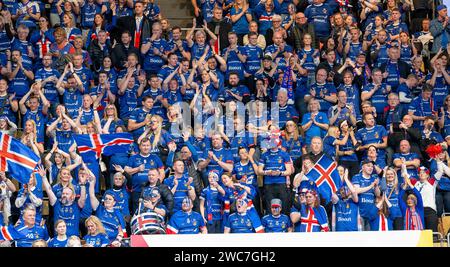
(3, 117)
(275, 202)
(441, 7)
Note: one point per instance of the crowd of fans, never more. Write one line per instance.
(228, 117)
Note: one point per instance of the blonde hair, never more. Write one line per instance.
(58, 178)
(33, 123)
(115, 112)
(156, 133)
(98, 224)
(295, 134)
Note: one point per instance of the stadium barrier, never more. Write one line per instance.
(330, 239)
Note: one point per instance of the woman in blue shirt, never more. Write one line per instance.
(60, 240)
(240, 17)
(314, 123)
(96, 236)
(390, 188)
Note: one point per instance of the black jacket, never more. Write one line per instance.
(128, 23)
(120, 54)
(97, 54)
(166, 195)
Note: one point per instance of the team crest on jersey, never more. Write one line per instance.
(279, 161)
(97, 242)
(121, 195)
(152, 162)
(376, 135)
(249, 223)
(194, 222)
(70, 210)
(288, 114)
(324, 10)
(283, 225)
(83, 76)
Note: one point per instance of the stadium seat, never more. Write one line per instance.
(445, 223)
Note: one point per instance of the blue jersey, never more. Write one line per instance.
(254, 57)
(56, 243)
(5, 107)
(367, 199)
(312, 56)
(20, 84)
(274, 48)
(173, 97)
(88, 11)
(65, 140)
(139, 115)
(150, 161)
(382, 56)
(411, 171)
(440, 90)
(347, 147)
(234, 64)
(72, 100)
(279, 224)
(128, 102)
(213, 204)
(222, 154)
(275, 161)
(5, 42)
(327, 89)
(393, 78)
(153, 62)
(372, 135)
(314, 130)
(319, 15)
(285, 114)
(406, 54)
(396, 28)
(181, 192)
(29, 235)
(113, 126)
(245, 173)
(96, 241)
(70, 214)
(197, 51)
(245, 139)
(40, 119)
(86, 78)
(111, 221)
(355, 49)
(293, 147)
(185, 223)
(241, 25)
(346, 212)
(392, 193)
(50, 91)
(243, 223)
(403, 88)
(421, 107)
(379, 98)
(122, 198)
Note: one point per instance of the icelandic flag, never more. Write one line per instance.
(326, 176)
(92, 146)
(16, 158)
(9, 233)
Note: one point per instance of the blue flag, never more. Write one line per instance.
(287, 83)
(92, 146)
(16, 158)
(326, 177)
